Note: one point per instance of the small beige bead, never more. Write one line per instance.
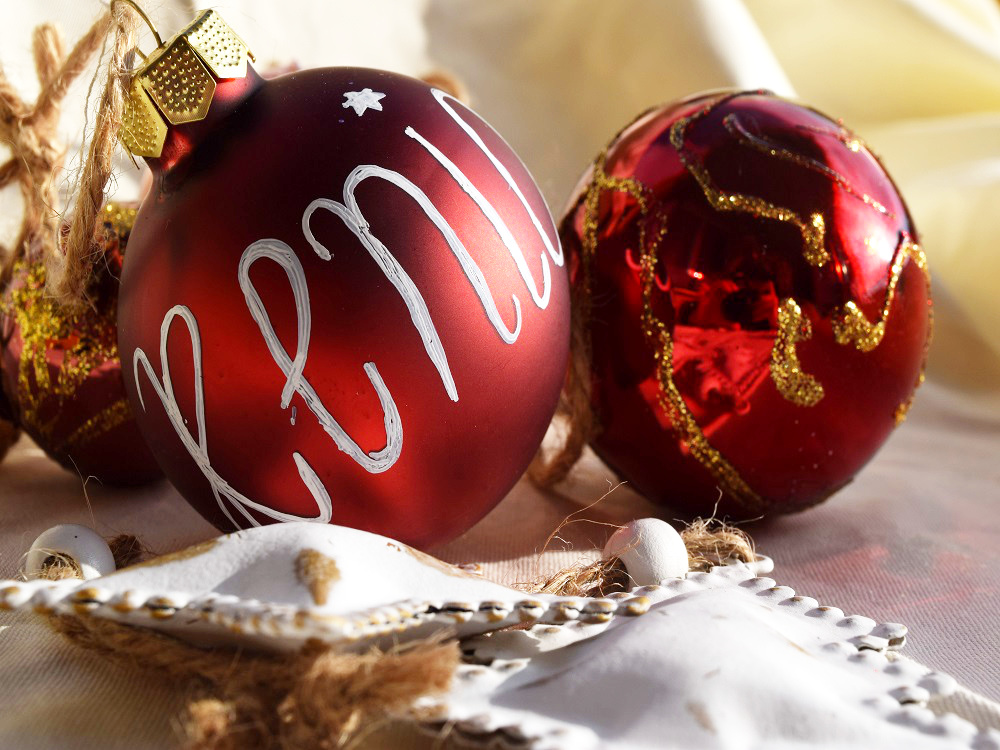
(650, 549)
(84, 546)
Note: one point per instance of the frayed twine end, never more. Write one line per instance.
(318, 697)
(711, 542)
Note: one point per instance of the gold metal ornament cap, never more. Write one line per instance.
(176, 83)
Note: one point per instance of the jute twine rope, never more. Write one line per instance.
(574, 418)
(319, 697)
(30, 131)
(75, 265)
(316, 698)
(37, 154)
(72, 269)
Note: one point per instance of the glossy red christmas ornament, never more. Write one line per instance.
(759, 306)
(344, 301)
(61, 375)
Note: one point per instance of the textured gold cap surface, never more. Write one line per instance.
(177, 82)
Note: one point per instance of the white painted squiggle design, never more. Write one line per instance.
(350, 213)
(295, 381)
(555, 252)
(506, 236)
(198, 448)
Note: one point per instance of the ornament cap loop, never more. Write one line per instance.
(177, 81)
(142, 14)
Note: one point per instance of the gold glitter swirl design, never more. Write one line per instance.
(600, 183)
(104, 421)
(842, 134)
(899, 414)
(735, 126)
(850, 326)
(813, 231)
(792, 382)
(670, 398)
(87, 339)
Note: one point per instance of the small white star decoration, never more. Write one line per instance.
(363, 100)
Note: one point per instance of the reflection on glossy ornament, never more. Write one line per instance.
(760, 306)
(345, 302)
(61, 376)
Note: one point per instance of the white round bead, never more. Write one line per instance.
(650, 549)
(86, 547)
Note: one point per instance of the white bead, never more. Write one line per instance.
(86, 548)
(650, 549)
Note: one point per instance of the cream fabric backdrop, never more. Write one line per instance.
(916, 539)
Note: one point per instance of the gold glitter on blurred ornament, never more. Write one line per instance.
(61, 372)
(119, 218)
(85, 341)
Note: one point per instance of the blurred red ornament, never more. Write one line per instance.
(760, 309)
(345, 301)
(61, 376)
(10, 433)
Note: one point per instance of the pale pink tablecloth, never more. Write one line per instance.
(913, 540)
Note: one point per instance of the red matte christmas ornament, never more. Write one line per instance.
(344, 298)
(60, 374)
(760, 307)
